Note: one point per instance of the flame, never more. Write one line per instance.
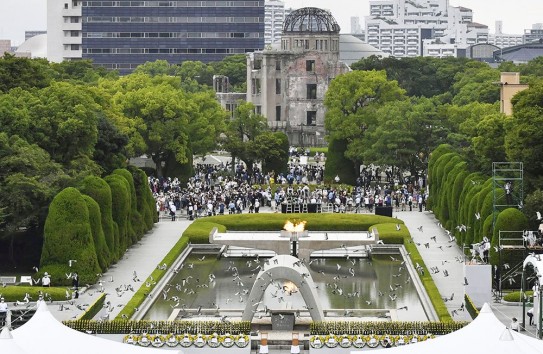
(291, 227)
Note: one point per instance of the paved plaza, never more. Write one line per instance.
(144, 257)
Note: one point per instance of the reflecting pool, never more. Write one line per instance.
(381, 282)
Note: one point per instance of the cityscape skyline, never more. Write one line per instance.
(18, 16)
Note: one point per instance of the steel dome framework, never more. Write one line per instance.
(310, 20)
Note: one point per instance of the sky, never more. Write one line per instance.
(18, 16)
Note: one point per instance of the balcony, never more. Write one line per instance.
(72, 54)
(72, 26)
(76, 12)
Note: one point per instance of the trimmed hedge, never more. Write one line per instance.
(18, 293)
(94, 308)
(95, 219)
(515, 296)
(135, 226)
(140, 295)
(145, 201)
(510, 219)
(315, 221)
(120, 193)
(68, 235)
(470, 307)
(99, 190)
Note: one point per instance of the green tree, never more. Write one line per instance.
(524, 136)
(23, 73)
(352, 103)
(28, 182)
(405, 135)
(271, 148)
(235, 67)
(157, 67)
(242, 131)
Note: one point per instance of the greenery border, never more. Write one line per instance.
(94, 308)
(470, 307)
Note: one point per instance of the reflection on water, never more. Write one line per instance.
(379, 283)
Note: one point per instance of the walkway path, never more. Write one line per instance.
(143, 258)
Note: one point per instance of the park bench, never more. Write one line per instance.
(8, 280)
(26, 279)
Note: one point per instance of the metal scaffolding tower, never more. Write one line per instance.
(508, 176)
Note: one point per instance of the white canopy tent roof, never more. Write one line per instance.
(7, 343)
(486, 334)
(45, 335)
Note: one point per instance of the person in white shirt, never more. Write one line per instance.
(514, 324)
(3, 308)
(46, 280)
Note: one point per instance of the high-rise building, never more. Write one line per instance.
(274, 17)
(503, 40)
(124, 34)
(409, 28)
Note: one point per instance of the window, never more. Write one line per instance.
(66, 6)
(277, 65)
(310, 65)
(311, 118)
(256, 87)
(277, 86)
(311, 91)
(258, 109)
(257, 64)
(306, 44)
(277, 113)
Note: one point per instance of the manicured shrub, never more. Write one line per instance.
(390, 235)
(120, 210)
(68, 236)
(438, 177)
(17, 293)
(135, 226)
(434, 156)
(460, 174)
(95, 219)
(98, 189)
(516, 296)
(146, 202)
(338, 164)
(510, 219)
(450, 172)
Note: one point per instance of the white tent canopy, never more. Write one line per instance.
(45, 335)
(486, 334)
(7, 343)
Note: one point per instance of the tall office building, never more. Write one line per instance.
(408, 28)
(274, 17)
(356, 28)
(535, 34)
(124, 34)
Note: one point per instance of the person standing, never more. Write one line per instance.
(46, 280)
(530, 314)
(75, 281)
(3, 309)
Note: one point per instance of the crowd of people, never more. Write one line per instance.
(214, 191)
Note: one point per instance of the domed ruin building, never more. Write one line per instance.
(287, 84)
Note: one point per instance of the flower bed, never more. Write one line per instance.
(360, 340)
(187, 340)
